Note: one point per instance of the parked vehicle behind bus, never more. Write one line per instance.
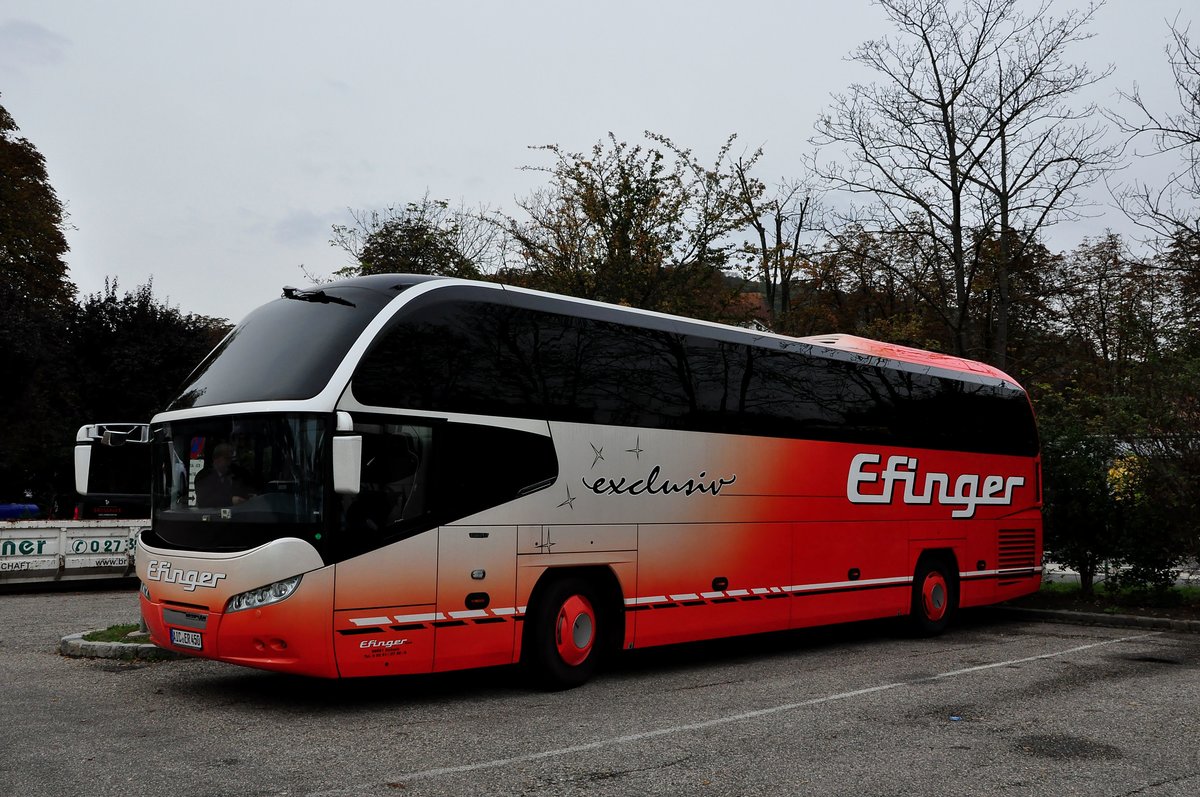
(112, 472)
(398, 474)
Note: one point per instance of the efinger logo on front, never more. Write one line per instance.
(970, 489)
(158, 570)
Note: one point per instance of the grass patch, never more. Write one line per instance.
(1060, 589)
(117, 633)
(1182, 602)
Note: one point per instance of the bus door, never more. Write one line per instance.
(476, 596)
(384, 609)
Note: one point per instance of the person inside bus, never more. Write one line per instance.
(223, 482)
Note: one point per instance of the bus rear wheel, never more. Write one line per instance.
(935, 596)
(563, 632)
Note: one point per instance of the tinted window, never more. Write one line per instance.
(497, 359)
(123, 469)
(479, 467)
(118, 483)
(416, 476)
(287, 349)
(500, 359)
(232, 482)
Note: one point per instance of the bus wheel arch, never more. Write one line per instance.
(575, 621)
(935, 592)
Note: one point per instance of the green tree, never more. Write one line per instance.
(1165, 467)
(646, 225)
(1156, 495)
(133, 352)
(858, 287)
(1083, 522)
(1013, 300)
(1118, 307)
(426, 237)
(1181, 258)
(36, 295)
(1120, 435)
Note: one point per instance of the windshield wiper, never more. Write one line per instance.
(320, 297)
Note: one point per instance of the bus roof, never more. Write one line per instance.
(837, 341)
(908, 354)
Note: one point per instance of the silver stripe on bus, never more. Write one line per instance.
(866, 582)
(427, 617)
(687, 596)
(1006, 571)
(361, 621)
(651, 599)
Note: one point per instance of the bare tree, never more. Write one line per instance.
(1038, 152)
(1170, 211)
(786, 225)
(967, 134)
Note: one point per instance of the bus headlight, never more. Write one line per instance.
(263, 596)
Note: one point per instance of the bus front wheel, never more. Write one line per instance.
(563, 635)
(935, 596)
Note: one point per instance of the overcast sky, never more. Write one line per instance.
(211, 146)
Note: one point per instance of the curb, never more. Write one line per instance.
(1091, 618)
(76, 647)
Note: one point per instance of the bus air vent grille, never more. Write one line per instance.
(1018, 551)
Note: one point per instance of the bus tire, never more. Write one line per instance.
(564, 634)
(934, 596)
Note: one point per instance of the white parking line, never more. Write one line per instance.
(425, 774)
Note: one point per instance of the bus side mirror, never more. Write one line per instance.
(347, 464)
(83, 465)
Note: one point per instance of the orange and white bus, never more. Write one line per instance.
(398, 474)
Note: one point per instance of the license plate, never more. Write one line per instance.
(187, 639)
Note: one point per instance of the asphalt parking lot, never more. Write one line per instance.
(995, 706)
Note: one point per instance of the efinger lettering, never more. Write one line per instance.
(970, 489)
(382, 643)
(158, 570)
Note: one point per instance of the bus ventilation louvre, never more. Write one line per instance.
(1018, 552)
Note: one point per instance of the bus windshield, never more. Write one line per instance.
(288, 348)
(233, 482)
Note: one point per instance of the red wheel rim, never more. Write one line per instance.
(575, 630)
(935, 596)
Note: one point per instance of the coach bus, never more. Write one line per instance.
(112, 462)
(401, 474)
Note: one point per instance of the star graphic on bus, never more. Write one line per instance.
(599, 453)
(570, 502)
(637, 449)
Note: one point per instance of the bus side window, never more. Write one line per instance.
(406, 473)
(395, 461)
